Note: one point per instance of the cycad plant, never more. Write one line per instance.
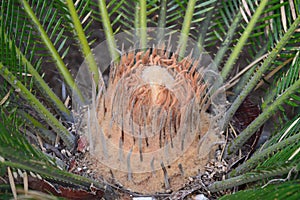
(253, 44)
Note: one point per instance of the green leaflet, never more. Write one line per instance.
(288, 190)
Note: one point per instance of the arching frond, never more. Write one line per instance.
(18, 153)
(287, 190)
(258, 176)
(283, 80)
(280, 149)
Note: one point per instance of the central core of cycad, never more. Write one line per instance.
(150, 122)
(154, 109)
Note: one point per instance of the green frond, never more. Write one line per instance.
(78, 19)
(44, 113)
(263, 36)
(123, 14)
(152, 11)
(49, 172)
(175, 13)
(37, 127)
(185, 30)
(108, 30)
(283, 156)
(262, 118)
(18, 27)
(220, 23)
(177, 10)
(254, 176)
(283, 80)
(162, 19)
(289, 129)
(143, 23)
(269, 28)
(282, 60)
(201, 19)
(227, 40)
(12, 142)
(17, 60)
(126, 10)
(237, 49)
(19, 69)
(17, 153)
(39, 24)
(282, 144)
(12, 16)
(288, 190)
(205, 26)
(84, 10)
(262, 69)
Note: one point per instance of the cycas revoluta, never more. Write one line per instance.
(254, 45)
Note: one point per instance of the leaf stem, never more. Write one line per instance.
(185, 30)
(54, 174)
(263, 155)
(257, 76)
(83, 43)
(44, 113)
(261, 119)
(58, 60)
(246, 76)
(228, 39)
(143, 23)
(40, 129)
(238, 48)
(249, 177)
(205, 27)
(162, 20)
(112, 47)
(42, 85)
(137, 18)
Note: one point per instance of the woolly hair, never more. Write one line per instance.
(152, 125)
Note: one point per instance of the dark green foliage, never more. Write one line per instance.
(288, 190)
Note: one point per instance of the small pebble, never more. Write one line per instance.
(68, 153)
(200, 197)
(143, 198)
